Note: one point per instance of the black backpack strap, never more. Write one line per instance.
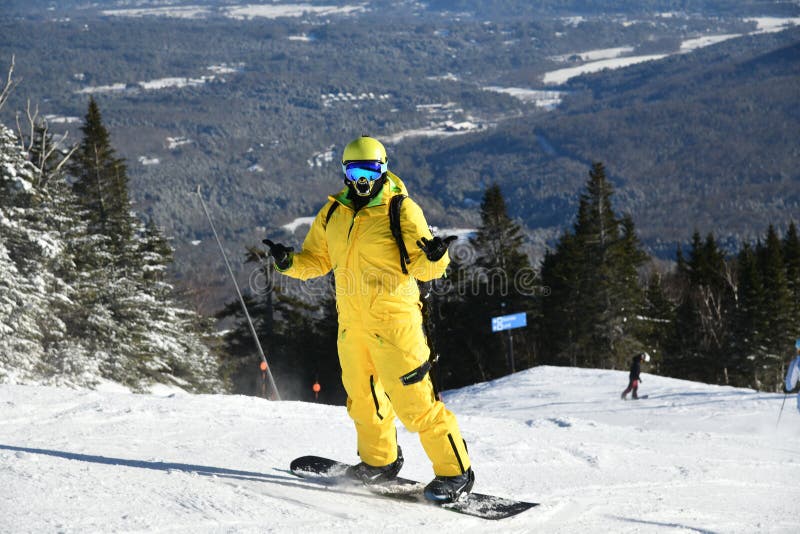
(394, 224)
(429, 366)
(330, 212)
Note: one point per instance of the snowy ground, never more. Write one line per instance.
(691, 458)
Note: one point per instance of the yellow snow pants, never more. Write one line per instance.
(373, 363)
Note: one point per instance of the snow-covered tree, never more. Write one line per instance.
(83, 293)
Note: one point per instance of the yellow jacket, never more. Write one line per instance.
(359, 247)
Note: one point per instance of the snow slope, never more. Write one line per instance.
(691, 458)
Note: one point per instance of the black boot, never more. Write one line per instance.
(449, 489)
(370, 474)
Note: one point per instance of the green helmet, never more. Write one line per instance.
(364, 148)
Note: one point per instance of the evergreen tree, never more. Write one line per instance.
(101, 184)
(778, 307)
(791, 259)
(593, 277)
(750, 322)
(499, 281)
(36, 301)
(658, 312)
(156, 254)
(561, 321)
(76, 304)
(702, 322)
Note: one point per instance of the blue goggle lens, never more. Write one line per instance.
(369, 170)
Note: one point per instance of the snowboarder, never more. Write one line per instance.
(793, 374)
(382, 348)
(633, 377)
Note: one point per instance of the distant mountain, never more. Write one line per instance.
(257, 111)
(594, 7)
(695, 141)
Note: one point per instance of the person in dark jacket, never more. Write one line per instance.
(633, 377)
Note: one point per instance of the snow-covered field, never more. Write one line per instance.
(614, 58)
(561, 76)
(172, 82)
(537, 97)
(243, 11)
(691, 458)
(297, 223)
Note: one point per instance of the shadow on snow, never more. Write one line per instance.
(203, 470)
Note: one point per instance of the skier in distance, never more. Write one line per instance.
(382, 348)
(633, 377)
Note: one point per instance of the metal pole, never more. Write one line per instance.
(511, 351)
(781, 412)
(241, 300)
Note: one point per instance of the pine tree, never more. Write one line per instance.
(35, 300)
(791, 259)
(778, 306)
(561, 322)
(750, 322)
(101, 184)
(76, 303)
(498, 281)
(501, 265)
(156, 254)
(702, 316)
(593, 277)
(658, 312)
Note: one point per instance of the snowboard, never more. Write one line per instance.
(332, 473)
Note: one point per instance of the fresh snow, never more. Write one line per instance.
(707, 40)
(595, 55)
(58, 119)
(544, 99)
(239, 12)
(297, 223)
(613, 58)
(181, 12)
(252, 11)
(773, 24)
(560, 76)
(690, 458)
(170, 82)
(463, 234)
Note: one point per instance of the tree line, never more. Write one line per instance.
(85, 295)
(596, 300)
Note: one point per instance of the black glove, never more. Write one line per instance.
(281, 253)
(435, 248)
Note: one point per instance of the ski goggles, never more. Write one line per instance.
(366, 170)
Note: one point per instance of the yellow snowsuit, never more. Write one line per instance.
(380, 325)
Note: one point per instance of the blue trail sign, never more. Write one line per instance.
(507, 322)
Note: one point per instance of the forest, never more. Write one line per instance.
(276, 98)
(681, 243)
